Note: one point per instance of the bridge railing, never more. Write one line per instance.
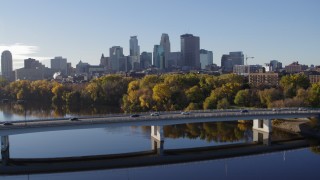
(193, 114)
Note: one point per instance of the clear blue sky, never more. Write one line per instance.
(286, 30)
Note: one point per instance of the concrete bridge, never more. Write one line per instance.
(166, 118)
(262, 126)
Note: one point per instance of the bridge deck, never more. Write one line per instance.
(19, 127)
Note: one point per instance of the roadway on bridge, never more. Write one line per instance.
(165, 118)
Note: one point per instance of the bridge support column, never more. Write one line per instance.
(263, 125)
(261, 131)
(157, 139)
(5, 156)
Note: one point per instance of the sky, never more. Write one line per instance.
(285, 30)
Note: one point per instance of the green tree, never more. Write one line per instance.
(162, 96)
(212, 101)
(192, 106)
(291, 83)
(243, 98)
(3, 82)
(150, 81)
(208, 83)
(20, 89)
(58, 91)
(314, 95)
(194, 94)
(41, 90)
(94, 90)
(267, 96)
(113, 88)
(223, 104)
(73, 98)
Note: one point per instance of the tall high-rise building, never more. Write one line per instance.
(134, 53)
(190, 55)
(165, 43)
(59, 64)
(206, 58)
(116, 56)
(237, 58)
(174, 60)
(226, 63)
(231, 59)
(159, 57)
(134, 47)
(145, 60)
(6, 65)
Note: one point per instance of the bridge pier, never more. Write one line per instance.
(5, 155)
(262, 129)
(261, 137)
(157, 139)
(264, 125)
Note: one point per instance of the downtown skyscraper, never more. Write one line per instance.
(6, 65)
(190, 52)
(134, 53)
(158, 57)
(230, 60)
(165, 43)
(59, 64)
(117, 59)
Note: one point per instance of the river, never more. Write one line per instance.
(291, 164)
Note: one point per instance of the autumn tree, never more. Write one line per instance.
(314, 95)
(267, 96)
(59, 92)
(223, 104)
(242, 98)
(162, 96)
(291, 83)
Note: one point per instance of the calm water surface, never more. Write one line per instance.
(295, 164)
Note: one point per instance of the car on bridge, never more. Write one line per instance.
(135, 115)
(74, 119)
(302, 109)
(155, 114)
(185, 113)
(244, 111)
(7, 124)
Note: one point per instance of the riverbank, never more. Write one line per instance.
(303, 126)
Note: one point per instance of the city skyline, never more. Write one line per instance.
(287, 31)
